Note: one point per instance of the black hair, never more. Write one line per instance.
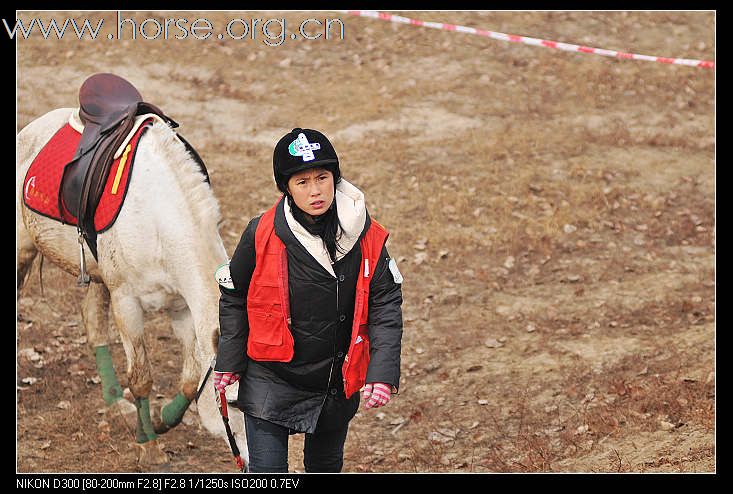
(327, 225)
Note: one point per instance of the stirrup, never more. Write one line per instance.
(83, 279)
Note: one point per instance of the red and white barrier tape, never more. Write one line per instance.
(707, 64)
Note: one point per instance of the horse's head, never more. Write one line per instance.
(186, 221)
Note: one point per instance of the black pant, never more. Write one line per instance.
(268, 447)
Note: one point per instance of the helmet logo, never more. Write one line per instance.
(301, 147)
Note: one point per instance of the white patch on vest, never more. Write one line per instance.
(223, 277)
(366, 268)
(358, 339)
(395, 272)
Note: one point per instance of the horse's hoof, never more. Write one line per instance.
(151, 457)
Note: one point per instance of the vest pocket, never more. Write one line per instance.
(261, 294)
(268, 323)
(269, 336)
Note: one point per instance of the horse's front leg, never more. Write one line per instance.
(172, 413)
(128, 315)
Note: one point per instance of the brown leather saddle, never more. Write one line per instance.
(108, 105)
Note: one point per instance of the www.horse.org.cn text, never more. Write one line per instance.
(271, 32)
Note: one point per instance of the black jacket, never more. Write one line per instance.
(308, 391)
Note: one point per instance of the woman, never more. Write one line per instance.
(311, 314)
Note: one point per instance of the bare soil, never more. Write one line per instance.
(552, 214)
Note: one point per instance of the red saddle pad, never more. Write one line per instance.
(42, 181)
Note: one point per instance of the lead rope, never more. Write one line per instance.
(206, 378)
(221, 400)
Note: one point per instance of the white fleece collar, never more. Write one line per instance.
(352, 215)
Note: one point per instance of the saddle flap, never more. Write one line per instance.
(84, 176)
(108, 105)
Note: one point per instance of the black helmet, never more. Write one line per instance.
(301, 149)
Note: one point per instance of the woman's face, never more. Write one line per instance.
(312, 190)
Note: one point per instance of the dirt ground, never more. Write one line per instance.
(552, 214)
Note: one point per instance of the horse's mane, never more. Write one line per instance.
(191, 179)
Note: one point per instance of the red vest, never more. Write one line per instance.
(268, 304)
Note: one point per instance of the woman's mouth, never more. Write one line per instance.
(317, 204)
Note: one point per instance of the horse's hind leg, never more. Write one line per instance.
(26, 251)
(128, 315)
(172, 413)
(94, 312)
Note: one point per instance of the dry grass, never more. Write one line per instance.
(632, 397)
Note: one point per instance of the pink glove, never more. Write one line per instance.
(376, 394)
(224, 379)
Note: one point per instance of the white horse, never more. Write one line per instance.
(161, 253)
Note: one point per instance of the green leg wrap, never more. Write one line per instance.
(140, 434)
(111, 389)
(145, 430)
(172, 413)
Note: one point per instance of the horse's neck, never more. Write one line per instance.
(176, 177)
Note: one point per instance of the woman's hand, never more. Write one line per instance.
(376, 395)
(224, 379)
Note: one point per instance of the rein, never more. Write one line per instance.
(221, 400)
(206, 378)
